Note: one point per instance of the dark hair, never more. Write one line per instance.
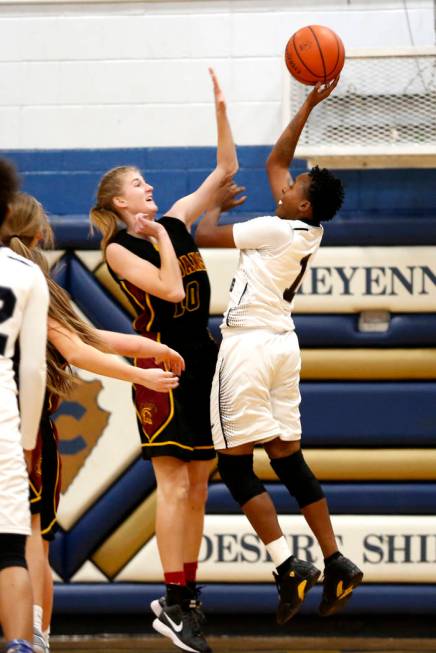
(326, 194)
(9, 185)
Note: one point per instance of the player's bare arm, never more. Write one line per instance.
(209, 232)
(190, 207)
(282, 154)
(80, 354)
(164, 282)
(133, 346)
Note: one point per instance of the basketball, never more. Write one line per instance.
(314, 54)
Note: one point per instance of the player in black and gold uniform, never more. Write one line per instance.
(177, 424)
(159, 268)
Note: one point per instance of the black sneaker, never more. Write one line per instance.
(195, 604)
(158, 605)
(181, 625)
(293, 586)
(341, 577)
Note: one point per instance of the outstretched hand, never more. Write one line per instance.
(322, 91)
(172, 359)
(226, 196)
(145, 227)
(218, 93)
(230, 199)
(157, 380)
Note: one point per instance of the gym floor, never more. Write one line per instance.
(231, 634)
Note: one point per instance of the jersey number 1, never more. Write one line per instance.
(290, 292)
(7, 302)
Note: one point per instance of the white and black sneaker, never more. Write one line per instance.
(181, 626)
(195, 604)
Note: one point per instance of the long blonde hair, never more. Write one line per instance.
(25, 222)
(104, 215)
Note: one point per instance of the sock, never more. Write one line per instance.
(37, 618)
(46, 635)
(334, 556)
(174, 578)
(190, 569)
(279, 550)
(177, 594)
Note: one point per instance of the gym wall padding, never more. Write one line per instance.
(368, 398)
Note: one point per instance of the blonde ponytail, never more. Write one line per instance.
(28, 222)
(103, 215)
(106, 222)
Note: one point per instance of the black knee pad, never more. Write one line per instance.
(297, 476)
(238, 474)
(12, 550)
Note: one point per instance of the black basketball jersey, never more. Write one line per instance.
(186, 320)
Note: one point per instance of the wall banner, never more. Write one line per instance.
(348, 280)
(388, 549)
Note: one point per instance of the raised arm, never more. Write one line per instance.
(32, 368)
(209, 232)
(282, 154)
(78, 353)
(164, 282)
(190, 207)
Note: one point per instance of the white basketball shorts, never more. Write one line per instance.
(14, 481)
(255, 392)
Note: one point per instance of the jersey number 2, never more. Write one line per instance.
(7, 303)
(290, 292)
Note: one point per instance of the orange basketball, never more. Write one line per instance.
(314, 54)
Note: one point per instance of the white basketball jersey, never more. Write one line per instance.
(273, 259)
(23, 322)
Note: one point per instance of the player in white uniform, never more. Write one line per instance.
(255, 395)
(23, 336)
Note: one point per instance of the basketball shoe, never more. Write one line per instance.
(180, 624)
(195, 604)
(341, 577)
(18, 646)
(293, 586)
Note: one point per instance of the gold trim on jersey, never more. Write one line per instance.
(58, 468)
(136, 300)
(152, 313)
(169, 442)
(37, 494)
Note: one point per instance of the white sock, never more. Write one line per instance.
(46, 635)
(37, 617)
(279, 551)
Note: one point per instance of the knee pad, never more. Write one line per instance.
(12, 551)
(299, 479)
(238, 474)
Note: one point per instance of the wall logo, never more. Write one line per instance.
(80, 422)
